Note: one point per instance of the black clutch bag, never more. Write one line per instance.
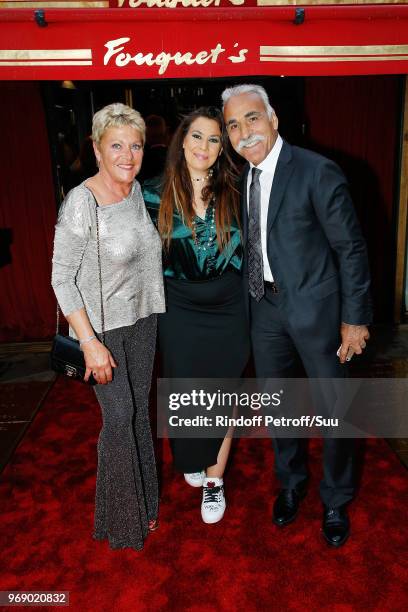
(66, 355)
(67, 358)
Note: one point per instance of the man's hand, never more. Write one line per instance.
(353, 339)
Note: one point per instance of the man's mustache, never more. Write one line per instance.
(251, 140)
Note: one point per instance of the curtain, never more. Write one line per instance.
(355, 122)
(27, 216)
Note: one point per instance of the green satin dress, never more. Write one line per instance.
(204, 333)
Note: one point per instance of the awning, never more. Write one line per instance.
(147, 39)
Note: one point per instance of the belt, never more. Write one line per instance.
(271, 286)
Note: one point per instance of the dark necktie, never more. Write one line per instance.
(255, 260)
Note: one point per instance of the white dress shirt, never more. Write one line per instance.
(268, 167)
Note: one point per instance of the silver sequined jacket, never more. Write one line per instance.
(131, 260)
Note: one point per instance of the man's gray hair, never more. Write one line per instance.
(237, 90)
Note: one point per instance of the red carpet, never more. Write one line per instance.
(242, 563)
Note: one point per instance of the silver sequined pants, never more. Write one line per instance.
(126, 484)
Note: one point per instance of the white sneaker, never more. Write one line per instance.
(213, 504)
(195, 479)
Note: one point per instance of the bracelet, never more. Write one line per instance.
(85, 340)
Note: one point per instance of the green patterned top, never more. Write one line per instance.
(199, 258)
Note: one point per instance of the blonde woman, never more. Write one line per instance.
(132, 294)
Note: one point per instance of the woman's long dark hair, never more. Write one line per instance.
(178, 191)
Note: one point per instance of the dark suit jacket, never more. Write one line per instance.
(316, 250)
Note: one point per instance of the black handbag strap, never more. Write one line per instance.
(100, 273)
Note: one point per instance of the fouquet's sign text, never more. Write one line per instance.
(118, 54)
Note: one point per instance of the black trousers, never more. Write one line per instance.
(126, 484)
(276, 353)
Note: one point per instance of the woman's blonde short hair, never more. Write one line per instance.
(116, 115)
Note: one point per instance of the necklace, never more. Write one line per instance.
(203, 245)
(203, 178)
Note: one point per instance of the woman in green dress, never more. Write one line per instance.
(204, 333)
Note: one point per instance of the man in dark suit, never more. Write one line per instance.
(308, 278)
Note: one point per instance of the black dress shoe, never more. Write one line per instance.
(286, 506)
(336, 526)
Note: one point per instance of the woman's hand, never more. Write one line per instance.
(98, 361)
